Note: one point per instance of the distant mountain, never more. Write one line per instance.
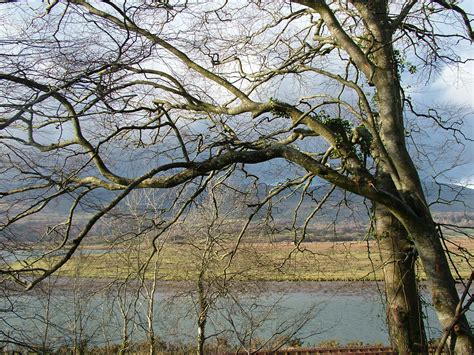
(440, 197)
(342, 212)
(445, 197)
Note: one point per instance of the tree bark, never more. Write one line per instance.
(397, 253)
(443, 288)
(203, 307)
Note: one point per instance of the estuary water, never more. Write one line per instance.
(101, 313)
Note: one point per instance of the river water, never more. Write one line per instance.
(312, 312)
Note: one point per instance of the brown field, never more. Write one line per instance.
(315, 261)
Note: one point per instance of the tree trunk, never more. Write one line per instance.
(422, 228)
(201, 338)
(397, 253)
(405, 178)
(202, 315)
(442, 285)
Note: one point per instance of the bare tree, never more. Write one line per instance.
(186, 90)
(145, 216)
(205, 230)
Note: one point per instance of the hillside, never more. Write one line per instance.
(343, 216)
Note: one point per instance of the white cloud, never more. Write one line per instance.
(466, 182)
(455, 85)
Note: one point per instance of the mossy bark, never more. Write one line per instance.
(398, 256)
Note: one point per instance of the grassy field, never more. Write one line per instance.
(316, 261)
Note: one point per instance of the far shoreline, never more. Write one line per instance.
(167, 287)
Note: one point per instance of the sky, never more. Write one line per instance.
(453, 88)
(455, 84)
